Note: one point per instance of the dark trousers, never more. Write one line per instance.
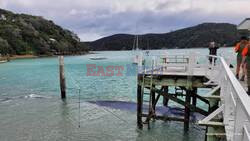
(211, 60)
(248, 75)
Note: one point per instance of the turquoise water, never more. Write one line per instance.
(31, 109)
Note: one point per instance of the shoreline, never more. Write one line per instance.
(159, 49)
(14, 57)
(3, 61)
(23, 57)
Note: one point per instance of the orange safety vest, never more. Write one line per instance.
(239, 47)
(246, 51)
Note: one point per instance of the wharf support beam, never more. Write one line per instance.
(187, 110)
(189, 106)
(139, 107)
(165, 100)
(160, 86)
(179, 101)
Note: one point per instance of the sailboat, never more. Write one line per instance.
(136, 49)
(147, 51)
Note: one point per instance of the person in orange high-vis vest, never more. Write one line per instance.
(238, 49)
(246, 58)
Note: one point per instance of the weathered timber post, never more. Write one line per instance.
(62, 77)
(187, 110)
(165, 99)
(139, 105)
(194, 93)
(8, 58)
(153, 97)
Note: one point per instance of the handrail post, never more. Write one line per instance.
(191, 63)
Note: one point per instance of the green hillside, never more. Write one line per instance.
(192, 37)
(22, 34)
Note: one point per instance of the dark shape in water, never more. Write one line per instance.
(161, 110)
(5, 100)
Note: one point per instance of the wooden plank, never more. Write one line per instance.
(212, 97)
(212, 123)
(212, 115)
(202, 99)
(165, 118)
(216, 134)
(175, 71)
(174, 81)
(214, 90)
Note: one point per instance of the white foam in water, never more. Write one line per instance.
(35, 96)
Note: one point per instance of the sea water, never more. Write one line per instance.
(98, 108)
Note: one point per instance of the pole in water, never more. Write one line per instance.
(187, 110)
(139, 107)
(79, 108)
(62, 77)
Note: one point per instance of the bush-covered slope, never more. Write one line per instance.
(22, 34)
(192, 37)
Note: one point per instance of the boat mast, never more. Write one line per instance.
(137, 42)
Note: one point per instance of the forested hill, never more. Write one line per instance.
(192, 37)
(22, 34)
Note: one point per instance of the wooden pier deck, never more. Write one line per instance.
(186, 76)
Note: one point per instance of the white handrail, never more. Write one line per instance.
(237, 103)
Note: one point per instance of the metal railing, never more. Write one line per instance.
(165, 63)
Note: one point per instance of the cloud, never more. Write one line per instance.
(3, 3)
(93, 19)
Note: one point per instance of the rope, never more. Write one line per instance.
(125, 121)
(79, 109)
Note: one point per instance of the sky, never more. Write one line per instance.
(94, 19)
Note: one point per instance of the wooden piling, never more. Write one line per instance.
(165, 99)
(139, 107)
(62, 77)
(8, 58)
(194, 93)
(187, 110)
(153, 97)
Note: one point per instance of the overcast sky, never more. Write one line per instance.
(93, 19)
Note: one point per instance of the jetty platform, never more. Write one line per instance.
(228, 114)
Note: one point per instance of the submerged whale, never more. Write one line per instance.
(160, 110)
